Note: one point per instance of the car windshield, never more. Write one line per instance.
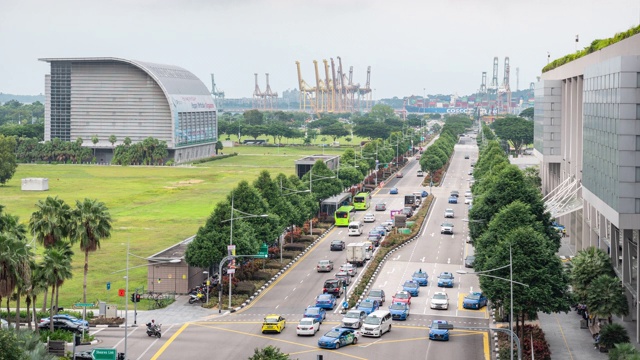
(397, 307)
(437, 325)
(271, 320)
(332, 334)
(312, 311)
(447, 224)
(375, 293)
(324, 297)
(336, 242)
(402, 296)
(352, 315)
(439, 296)
(372, 320)
(471, 258)
(446, 276)
(409, 284)
(474, 297)
(420, 275)
(330, 285)
(306, 322)
(366, 304)
(324, 262)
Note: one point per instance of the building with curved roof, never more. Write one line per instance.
(107, 96)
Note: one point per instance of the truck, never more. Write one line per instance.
(356, 253)
(410, 200)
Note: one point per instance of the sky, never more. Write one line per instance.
(413, 46)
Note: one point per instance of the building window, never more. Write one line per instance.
(551, 151)
(637, 111)
(637, 206)
(637, 174)
(552, 136)
(637, 142)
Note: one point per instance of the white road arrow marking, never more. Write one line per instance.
(422, 260)
(448, 260)
(392, 270)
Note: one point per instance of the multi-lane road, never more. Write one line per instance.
(235, 336)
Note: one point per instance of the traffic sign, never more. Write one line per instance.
(121, 292)
(83, 304)
(108, 285)
(231, 271)
(104, 354)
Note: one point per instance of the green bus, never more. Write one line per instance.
(344, 215)
(361, 201)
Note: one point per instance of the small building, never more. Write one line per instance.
(35, 184)
(305, 164)
(164, 275)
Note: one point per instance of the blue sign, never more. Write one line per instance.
(108, 285)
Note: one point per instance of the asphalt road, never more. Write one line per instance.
(235, 336)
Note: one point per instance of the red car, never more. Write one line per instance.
(402, 296)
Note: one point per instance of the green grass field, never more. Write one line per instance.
(152, 207)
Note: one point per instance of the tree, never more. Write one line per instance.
(431, 164)
(254, 131)
(219, 146)
(253, 117)
(90, 224)
(350, 175)
(335, 131)
(527, 113)
(606, 297)
(381, 112)
(56, 268)
(113, 139)
(517, 130)
(276, 130)
(8, 164)
(624, 351)
(50, 222)
(94, 141)
(15, 270)
(323, 182)
(613, 334)
(587, 265)
(372, 130)
(269, 353)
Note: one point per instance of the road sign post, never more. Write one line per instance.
(104, 354)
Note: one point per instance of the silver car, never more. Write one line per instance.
(377, 294)
(353, 319)
(325, 265)
(349, 269)
(448, 213)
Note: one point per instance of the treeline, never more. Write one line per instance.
(22, 120)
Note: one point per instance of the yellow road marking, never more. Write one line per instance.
(563, 337)
(484, 310)
(166, 344)
(485, 338)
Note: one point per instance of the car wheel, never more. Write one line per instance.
(389, 329)
(337, 346)
(355, 341)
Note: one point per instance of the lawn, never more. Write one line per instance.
(152, 207)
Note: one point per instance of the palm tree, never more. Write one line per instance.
(38, 284)
(56, 268)
(606, 297)
(11, 224)
(91, 223)
(586, 266)
(15, 258)
(50, 224)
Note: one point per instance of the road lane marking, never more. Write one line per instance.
(422, 260)
(369, 344)
(286, 297)
(485, 338)
(301, 281)
(563, 337)
(153, 343)
(294, 289)
(448, 260)
(171, 339)
(130, 332)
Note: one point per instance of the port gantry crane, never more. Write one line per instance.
(258, 96)
(307, 93)
(364, 94)
(269, 96)
(218, 95)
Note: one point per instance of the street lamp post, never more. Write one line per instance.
(511, 282)
(231, 236)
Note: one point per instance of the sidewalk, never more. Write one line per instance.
(179, 312)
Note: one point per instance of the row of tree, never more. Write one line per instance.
(511, 228)
(15, 112)
(437, 155)
(57, 227)
(514, 131)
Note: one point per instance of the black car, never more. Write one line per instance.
(333, 286)
(468, 261)
(62, 324)
(337, 245)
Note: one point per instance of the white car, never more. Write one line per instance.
(468, 200)
(440, 300)
(349, 269)
(468, 193)
(448, 213)
(369, 217)
(420, 173)
(446, 228)
(388, 225)
(308, 326)
(353, 319)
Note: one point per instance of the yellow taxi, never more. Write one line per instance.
(273, 323)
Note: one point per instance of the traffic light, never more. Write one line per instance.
(135, 297)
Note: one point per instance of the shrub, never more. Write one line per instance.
(274, 265)
(612, 334)
(307, 237)
(261, 275)
(294, 247)
(246, 288)
(289, 254)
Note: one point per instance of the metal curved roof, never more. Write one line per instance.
(173, 80)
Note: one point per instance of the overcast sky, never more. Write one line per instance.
(411, 45)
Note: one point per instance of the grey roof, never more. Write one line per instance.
(175, 251)
(173, 80)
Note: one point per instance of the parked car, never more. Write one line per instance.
(420, 173)
(402, 296)
(466, 157)
(445, 279)
(344, 276)
(337, 245)
(349, 269)
(468, 193)
(273, 323)
(475, 300)
(424, 193)
(468, 261)
(338, 337)
(421, 277)
(399, 311)
(324, 266)
(353, 319)
(368, 306)
(453, 199)
(446, 228)
(411, 287)
(470, 172)
(315, 312)
(326, 301)
(440, 300)
(399, 174)
(308, 326)
(377, 294)
(455, 193)
(369, 217)
(468, 200)
(63, 324)
(448, 213)
(439, 330)
(381, 206)
(71, 318)
(393, 191)
(333, 286)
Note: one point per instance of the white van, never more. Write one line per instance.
(377, 323)
(355, 228)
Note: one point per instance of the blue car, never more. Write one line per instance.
(411, 287)
(369, 306)
(424, 193)
(315, 312)
(399, 311)
(475, 300)
(453, 200)
(338, 337)
(445, 279)
(326, 301)
(68, 317)
(420, 277)
(380, 229)
(393, 191)
(375, 233)
(439, 330)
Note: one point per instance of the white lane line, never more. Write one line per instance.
(369, 344)
(149, 347)
(301, 281)
(118, 343)
(277, 306)
(294, 289)
(383, 285)
(448, 260)
(286, 297)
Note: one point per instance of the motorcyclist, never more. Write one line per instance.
(152, 325)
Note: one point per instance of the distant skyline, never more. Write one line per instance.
(413, 47)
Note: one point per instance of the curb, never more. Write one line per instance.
(282, 271)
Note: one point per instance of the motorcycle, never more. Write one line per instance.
(154, 330)
(198, 296)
